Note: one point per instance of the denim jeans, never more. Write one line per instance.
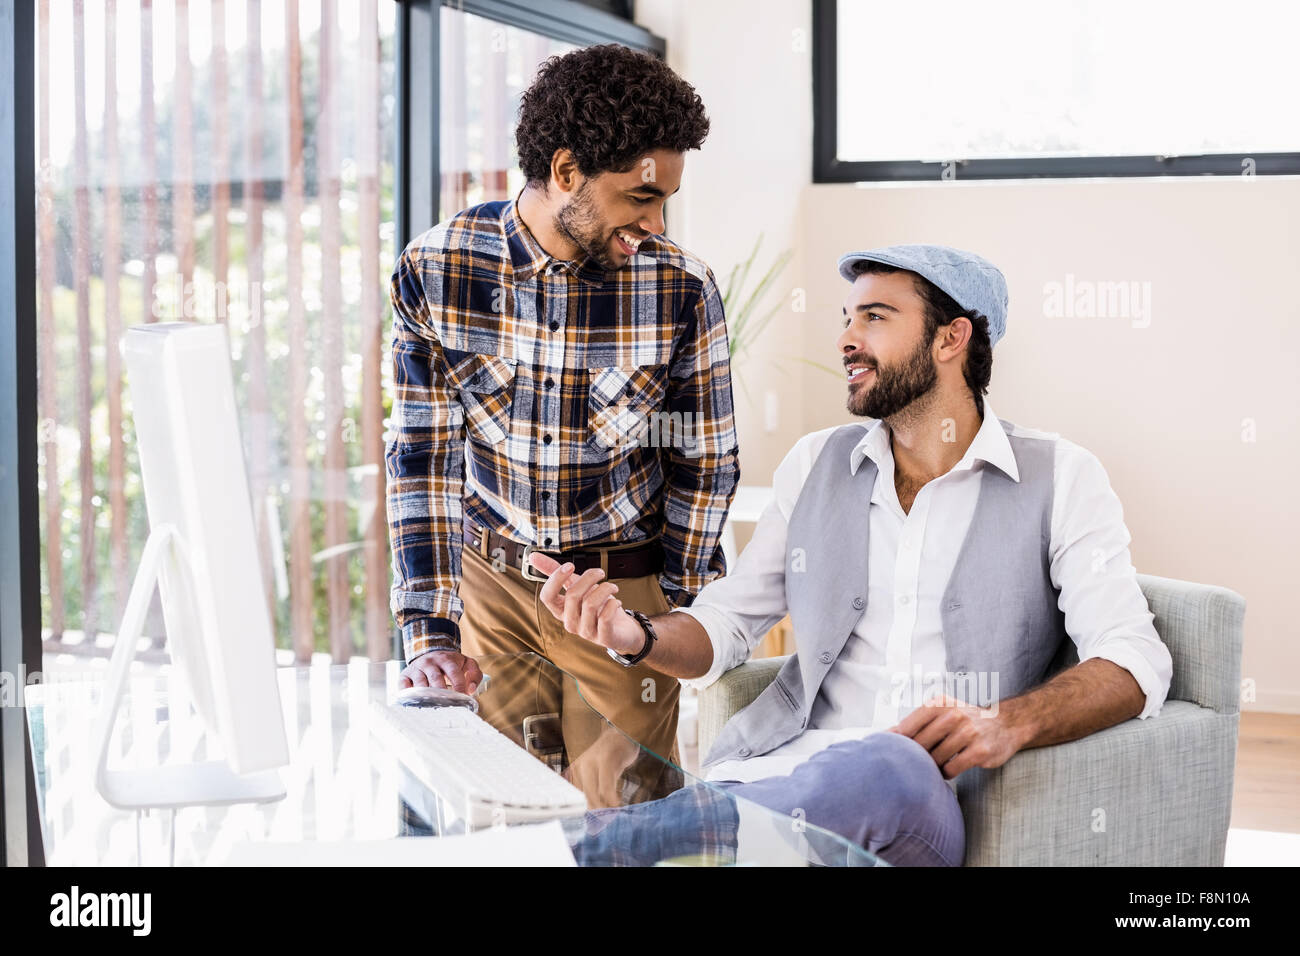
(883, 792)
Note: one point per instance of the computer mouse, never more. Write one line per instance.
(434, 697)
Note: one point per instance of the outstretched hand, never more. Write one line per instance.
(586, 605)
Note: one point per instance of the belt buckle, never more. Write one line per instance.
(528, 571)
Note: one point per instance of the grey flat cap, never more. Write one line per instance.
(971, 280)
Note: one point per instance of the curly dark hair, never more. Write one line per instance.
(608, 105)
(940, 310)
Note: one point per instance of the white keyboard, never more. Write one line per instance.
(483, 776)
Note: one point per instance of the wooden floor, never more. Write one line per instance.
(1266, 790)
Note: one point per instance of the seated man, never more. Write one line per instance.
(939, 545)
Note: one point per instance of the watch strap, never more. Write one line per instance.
(650, 639)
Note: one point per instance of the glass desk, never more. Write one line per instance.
(344, 786)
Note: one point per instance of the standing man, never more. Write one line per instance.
(562, 385)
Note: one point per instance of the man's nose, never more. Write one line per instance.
(847, 343)
(653, 223)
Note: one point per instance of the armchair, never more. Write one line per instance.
(1155, 792)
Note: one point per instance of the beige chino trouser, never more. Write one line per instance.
(503, 615)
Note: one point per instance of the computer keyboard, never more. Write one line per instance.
(481, 774)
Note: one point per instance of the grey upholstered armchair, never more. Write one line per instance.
(1140, 793)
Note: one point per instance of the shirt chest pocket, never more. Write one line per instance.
(486, 385)
(621, 403)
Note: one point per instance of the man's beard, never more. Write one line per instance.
(578, 220)
(898, 386)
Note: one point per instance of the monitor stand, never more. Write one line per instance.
(211, 783)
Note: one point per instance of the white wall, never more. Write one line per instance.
(752, 71)
(1165, 407)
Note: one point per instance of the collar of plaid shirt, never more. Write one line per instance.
(557, 404)
(529, 258)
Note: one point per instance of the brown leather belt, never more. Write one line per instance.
(617, 561)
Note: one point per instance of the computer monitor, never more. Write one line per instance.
(202, 552)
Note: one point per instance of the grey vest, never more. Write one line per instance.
(1002, 629)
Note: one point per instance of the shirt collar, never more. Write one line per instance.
(990, 445)
(529, 258)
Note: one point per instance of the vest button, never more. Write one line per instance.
(826, 657)
(744, 752)
(859, 604)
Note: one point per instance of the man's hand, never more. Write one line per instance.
(587, 606)
(443, 669)
(959, 735)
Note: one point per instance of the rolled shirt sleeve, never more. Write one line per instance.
(1106, 613)
(701, 459)
(424, 462)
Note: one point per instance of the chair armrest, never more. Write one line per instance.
(1154, 792)
(735, 690)
(1203, 627)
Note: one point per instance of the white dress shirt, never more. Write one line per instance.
(895, 655)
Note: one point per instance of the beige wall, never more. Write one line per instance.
(753, 71)
(1166, 407)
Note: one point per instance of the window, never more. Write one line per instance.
(486, 65)
(218, 161)
(232, 161)
(1076, 88)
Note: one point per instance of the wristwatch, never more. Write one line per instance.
(650, 639)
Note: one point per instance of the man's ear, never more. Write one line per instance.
(955, 336)
(564, 171)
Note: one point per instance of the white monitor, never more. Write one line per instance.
(202, 551)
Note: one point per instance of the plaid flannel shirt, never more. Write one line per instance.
(554, 403)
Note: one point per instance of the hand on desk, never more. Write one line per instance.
(587, 607)
(443, 669)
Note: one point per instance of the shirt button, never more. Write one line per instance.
(859, 604)
(550, 383)
(826, 657)
(554, 326)
(546, 439)
(744, 752)
(904, 599)
(547, 541)
(545, 495)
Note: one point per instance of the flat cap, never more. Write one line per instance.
(971, 280)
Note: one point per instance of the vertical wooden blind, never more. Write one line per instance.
(484, 68)
(219, 161)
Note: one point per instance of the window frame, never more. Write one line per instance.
(828, 168)
(419, 95)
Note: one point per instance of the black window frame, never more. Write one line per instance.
(419, 90)
(828, 168)
(416, 186)
(20, 545)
